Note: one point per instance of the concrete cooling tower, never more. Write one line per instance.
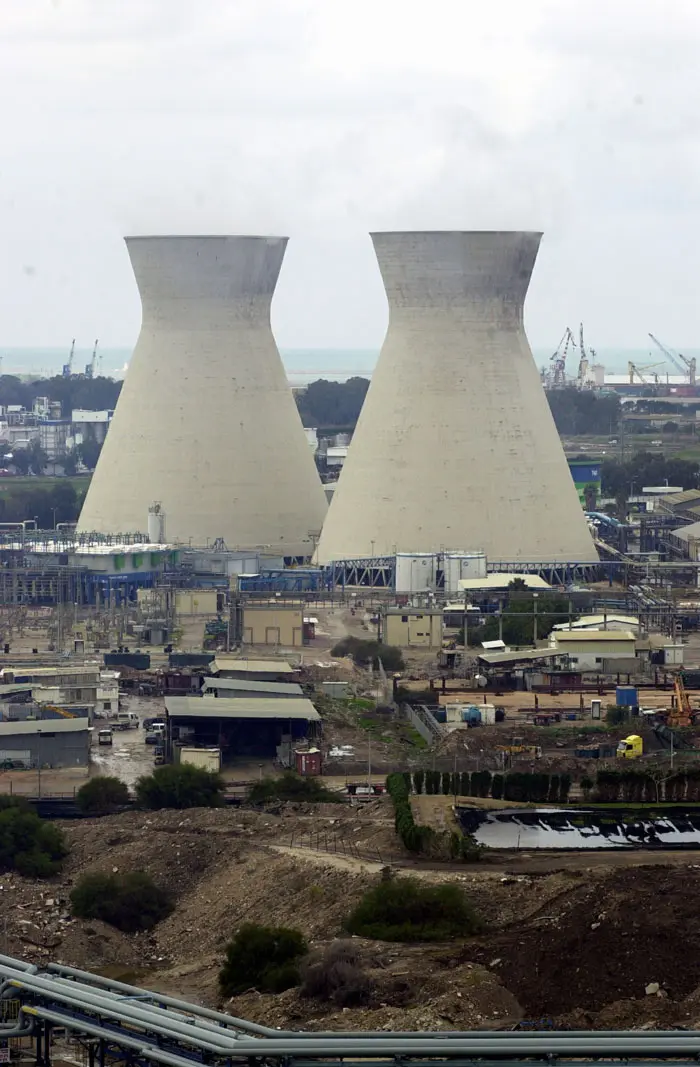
(206, 423)
(455, 446)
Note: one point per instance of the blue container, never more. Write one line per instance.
(440, 714)
(626, 697)
(471, 714)
(571, 716)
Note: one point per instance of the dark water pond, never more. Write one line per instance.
(552, 828)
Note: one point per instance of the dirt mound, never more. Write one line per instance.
(605, 941)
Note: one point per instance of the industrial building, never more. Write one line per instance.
(242, 687)
(253, 670)
(242, 728)
(593, 650)
(206, 423)
(412, 627)
(46, 742)
(455, 443)
(272, 623)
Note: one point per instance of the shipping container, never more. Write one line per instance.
(208, 759)
(308, 762)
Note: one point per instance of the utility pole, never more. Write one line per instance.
(534, 618)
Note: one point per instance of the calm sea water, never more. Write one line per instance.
(302, 364)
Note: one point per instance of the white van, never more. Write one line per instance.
(127, 720)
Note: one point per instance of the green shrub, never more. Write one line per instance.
(29, 845)
(404, 909)
(335, 975)
(265, 958)
(418, 781)
(102, 795)
(130, 901)
(369, 653)
(180, 786)
(291, 786)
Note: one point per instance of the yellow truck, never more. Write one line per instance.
(630, 747)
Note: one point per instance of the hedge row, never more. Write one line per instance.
(520, 786)
(639, 786)
(423, 839)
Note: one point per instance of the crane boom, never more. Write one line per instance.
(68, 367)
(688, 365)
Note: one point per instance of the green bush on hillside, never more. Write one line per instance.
(180, 786)
(404, 909)
(28, 844)
(265, 958)
(129, 902)
(102, 795)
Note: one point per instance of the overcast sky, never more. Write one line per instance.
(323, 119)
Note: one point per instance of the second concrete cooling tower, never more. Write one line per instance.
(206, 423)
(455, 446)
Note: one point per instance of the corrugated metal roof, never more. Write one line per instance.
(598, 622)
(240, 708)
(290, 689)
(594, 635)
(685, 533)
(681, 498)
(252, 666)
(44, 726)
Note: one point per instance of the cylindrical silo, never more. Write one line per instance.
(455, 446)
(206, 423)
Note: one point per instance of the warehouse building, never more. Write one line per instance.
(242, 728)
(589, 650)
(241, 687)
(51, 743)
(253, 670)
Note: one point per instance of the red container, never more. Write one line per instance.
(308, 763)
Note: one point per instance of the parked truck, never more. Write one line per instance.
(631, 747)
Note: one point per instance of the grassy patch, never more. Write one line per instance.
(42, 481)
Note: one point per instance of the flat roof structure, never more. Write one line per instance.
(502, 581)
(241, 685)
(495, 659)
(44, 726)
(251, 666)
(179, 707)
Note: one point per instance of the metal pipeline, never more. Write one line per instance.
(121, 1012)
(94, 1030)
(161, 998)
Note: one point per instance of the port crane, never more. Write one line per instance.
(92, 365)
(68, 367)
(633, 369)
(557, 374)
(679, 361)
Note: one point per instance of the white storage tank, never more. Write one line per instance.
(460, 565)
(416, 572)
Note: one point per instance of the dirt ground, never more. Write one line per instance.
(578, 944)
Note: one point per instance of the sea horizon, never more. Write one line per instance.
(303, 365)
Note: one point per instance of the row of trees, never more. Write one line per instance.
(93, 394)
(647, 468)
(423, 840)
(332, 405)
(60, 503)
(652, 785)
(519, 786)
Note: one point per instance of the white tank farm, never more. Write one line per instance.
(206, 423)
(455, 444)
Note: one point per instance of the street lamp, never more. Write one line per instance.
(38, 756)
